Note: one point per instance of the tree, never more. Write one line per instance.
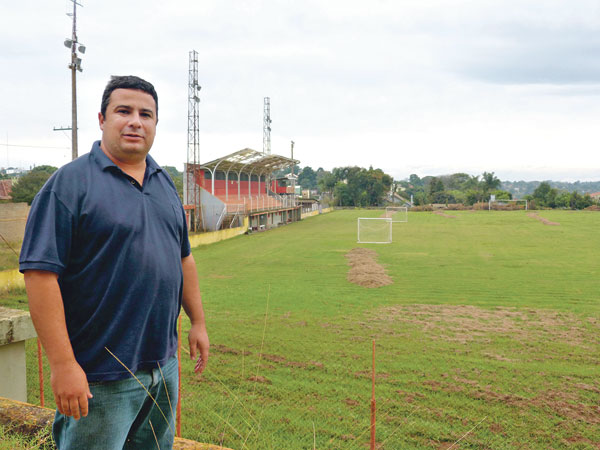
(545, 195)
(501, 195)
(415, 180)
(326, 182)
(308, 178)
(30, 184)
(342, 194)
(578, 201)
(436, 191)
(362, 187)
(177, 178)
(489, 182)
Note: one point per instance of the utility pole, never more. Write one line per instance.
(74, 67)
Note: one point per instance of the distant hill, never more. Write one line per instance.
(521, 188)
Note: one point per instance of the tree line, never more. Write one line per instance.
(345, 186)
(27, 186)
(360, 187)
(549, 197)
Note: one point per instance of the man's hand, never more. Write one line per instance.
(71, 390)
(199, 345)
(192, 303)
(69, 383)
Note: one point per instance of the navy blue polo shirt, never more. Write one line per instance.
(116, 247)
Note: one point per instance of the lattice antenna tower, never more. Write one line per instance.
(267, 126)
(193, 141)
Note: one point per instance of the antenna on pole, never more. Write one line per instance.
(267, 126)
(74, 45)
(193, 141)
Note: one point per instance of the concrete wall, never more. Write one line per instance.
(13, 217)
(216, 236)
(316, 213)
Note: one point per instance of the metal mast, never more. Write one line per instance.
(193, 143)
(267, 126)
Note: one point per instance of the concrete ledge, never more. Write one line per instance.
(15, 326)
(29, 420)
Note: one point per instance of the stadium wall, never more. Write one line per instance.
(216, 236)
(316, 213)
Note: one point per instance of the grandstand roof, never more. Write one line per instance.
(249, 161)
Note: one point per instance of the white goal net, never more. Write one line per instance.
(516, 204)
(397, 213)
(374, 230)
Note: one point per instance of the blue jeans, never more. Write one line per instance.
(122, 416)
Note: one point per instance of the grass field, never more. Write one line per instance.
(489, 337)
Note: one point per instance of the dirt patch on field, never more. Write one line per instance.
(541, 219)
(562, 403)
(365, 270)
(464, 323)
(443, 214)
(259, 379)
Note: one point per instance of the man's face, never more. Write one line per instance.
(129, 127)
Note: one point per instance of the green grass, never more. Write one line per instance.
(488, 339)
(13, 441)
(9, 252)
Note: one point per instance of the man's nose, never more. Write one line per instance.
(135, 119)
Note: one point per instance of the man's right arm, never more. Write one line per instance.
(69, 382)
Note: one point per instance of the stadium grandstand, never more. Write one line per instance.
(224, 191)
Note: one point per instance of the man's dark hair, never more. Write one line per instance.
(127, 82)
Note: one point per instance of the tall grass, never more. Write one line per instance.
(488, 338)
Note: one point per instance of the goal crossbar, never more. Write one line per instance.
(374, 230)
(499, 201)
(397, 213)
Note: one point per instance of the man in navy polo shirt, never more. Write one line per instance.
(107, 266)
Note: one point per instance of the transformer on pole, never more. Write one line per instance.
(192, 195)
(267, 126)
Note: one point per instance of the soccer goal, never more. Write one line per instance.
(397, 213)
(508, 204)
(373, 230)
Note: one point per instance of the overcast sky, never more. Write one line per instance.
(429, 87)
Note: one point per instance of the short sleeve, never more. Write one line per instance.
(48, 235)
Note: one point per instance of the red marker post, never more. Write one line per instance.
(40, 372)
(373, 401)
(178, 419)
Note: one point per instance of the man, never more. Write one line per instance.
(107, 266)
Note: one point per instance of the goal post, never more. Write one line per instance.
(498, 204)
(397, 213)
(374, 230)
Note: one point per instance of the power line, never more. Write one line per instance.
(32, 146)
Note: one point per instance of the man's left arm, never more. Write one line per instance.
(192, 304)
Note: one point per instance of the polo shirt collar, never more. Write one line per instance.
(104, 161)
